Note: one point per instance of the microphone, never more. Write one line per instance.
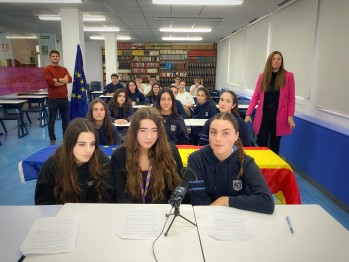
(180, 191)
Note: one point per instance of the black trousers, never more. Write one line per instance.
(55, 104)
(267, 135)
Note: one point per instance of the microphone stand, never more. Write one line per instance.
(175, 214)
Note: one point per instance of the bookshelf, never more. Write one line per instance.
(165, 61)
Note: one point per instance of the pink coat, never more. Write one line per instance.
(286, 105)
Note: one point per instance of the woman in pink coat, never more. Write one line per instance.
(275, 96)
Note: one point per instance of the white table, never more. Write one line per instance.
(15, 222)
(196, 122)
(122, 125)
(317, 236)
(97, 240)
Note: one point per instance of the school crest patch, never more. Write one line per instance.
(237, 185)
(173, 128)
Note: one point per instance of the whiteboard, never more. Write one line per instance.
(236, 58)
(255, 52)
(223, 64)
(333, 90)
(293, 34)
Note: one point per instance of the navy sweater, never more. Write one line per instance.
(176, 130)
(206, 110)
(219, 178)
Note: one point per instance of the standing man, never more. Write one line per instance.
(57, 77)
(113, 85)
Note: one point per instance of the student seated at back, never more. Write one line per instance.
(136, 97)
(176, 130)
(152, 96)
(205, 108)
(226, 175)
(146, 167)
(99, 115)
(120, 108)
(78, 172)
(178, 104)
(228, 103)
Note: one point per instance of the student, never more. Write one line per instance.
(153, 94)
(275, 96)
(186, 99)
(228, 102)
(146, 167)
(57, 77)
(205, 107)
(226, 175)
(120, 108)
(177, 79)
(194, 88)
(78, 172)
(140, 85)
(99, 115)
(135, 96)
(179, 106)
(113, 85)
(152, 80)
(176, 130)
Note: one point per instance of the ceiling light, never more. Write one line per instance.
(190, 19)
(186, 30)
(101, 29)
(43, 1)
(197, 2)
(58, 18)
(119, 37)
(21, 37)
(189, 38)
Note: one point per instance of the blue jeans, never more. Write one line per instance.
(55, 104)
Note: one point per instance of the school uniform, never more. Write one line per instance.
(137, 97)
(111, 88)
(206, 110)
(217, 178)
(176, 130)
(121, 114)
(102, 137)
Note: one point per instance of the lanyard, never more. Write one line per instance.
(144, 190)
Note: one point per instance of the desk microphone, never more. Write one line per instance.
(179, 193)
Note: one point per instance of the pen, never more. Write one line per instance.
(289, 224)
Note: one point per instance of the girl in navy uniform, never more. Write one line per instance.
(135, 96)
(228, 102)
(99, 115)
(153, 94)
(205, 108)
(120, 108)
(226, 175)
(146, 167)
(176, 130)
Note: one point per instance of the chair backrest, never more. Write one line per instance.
(95, 86)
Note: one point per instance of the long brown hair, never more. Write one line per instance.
(114, 105)
(107, 124)
(67, 188)
(235, 110)
(241, 153)
(164, 167)
(280, 80)
(173, 107)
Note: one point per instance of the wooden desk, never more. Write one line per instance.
(15, 222)
(97, 239)
(317, 236)
(17, 104)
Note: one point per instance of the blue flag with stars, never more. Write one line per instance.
(78, 102)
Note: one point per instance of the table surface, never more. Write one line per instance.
(12, 101)
(97, 239)
(317, 236)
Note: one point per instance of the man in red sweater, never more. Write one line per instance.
(57, 77)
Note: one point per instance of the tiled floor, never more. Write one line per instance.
(13, 150)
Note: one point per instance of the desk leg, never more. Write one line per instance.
(43, 114)
(22, 129)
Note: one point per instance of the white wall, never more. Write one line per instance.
(93, 61)
(305, 60)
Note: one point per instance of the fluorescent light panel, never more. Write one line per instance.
(180, 38)
(58, 18)
(21, 37)
(43, 1)
(186, 30)
(101, 29)
(197, 2)
(119, 37)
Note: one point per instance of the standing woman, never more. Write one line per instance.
(136, 97)
(176, 130)
(146, 167)
(153, 94)
(99, 115)
(78, 172)
(275, 96)
(120, 108)
(226, 175)
(228, 103)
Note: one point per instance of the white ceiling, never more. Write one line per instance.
(137, 18)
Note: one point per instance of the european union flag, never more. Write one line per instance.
(79, 102)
